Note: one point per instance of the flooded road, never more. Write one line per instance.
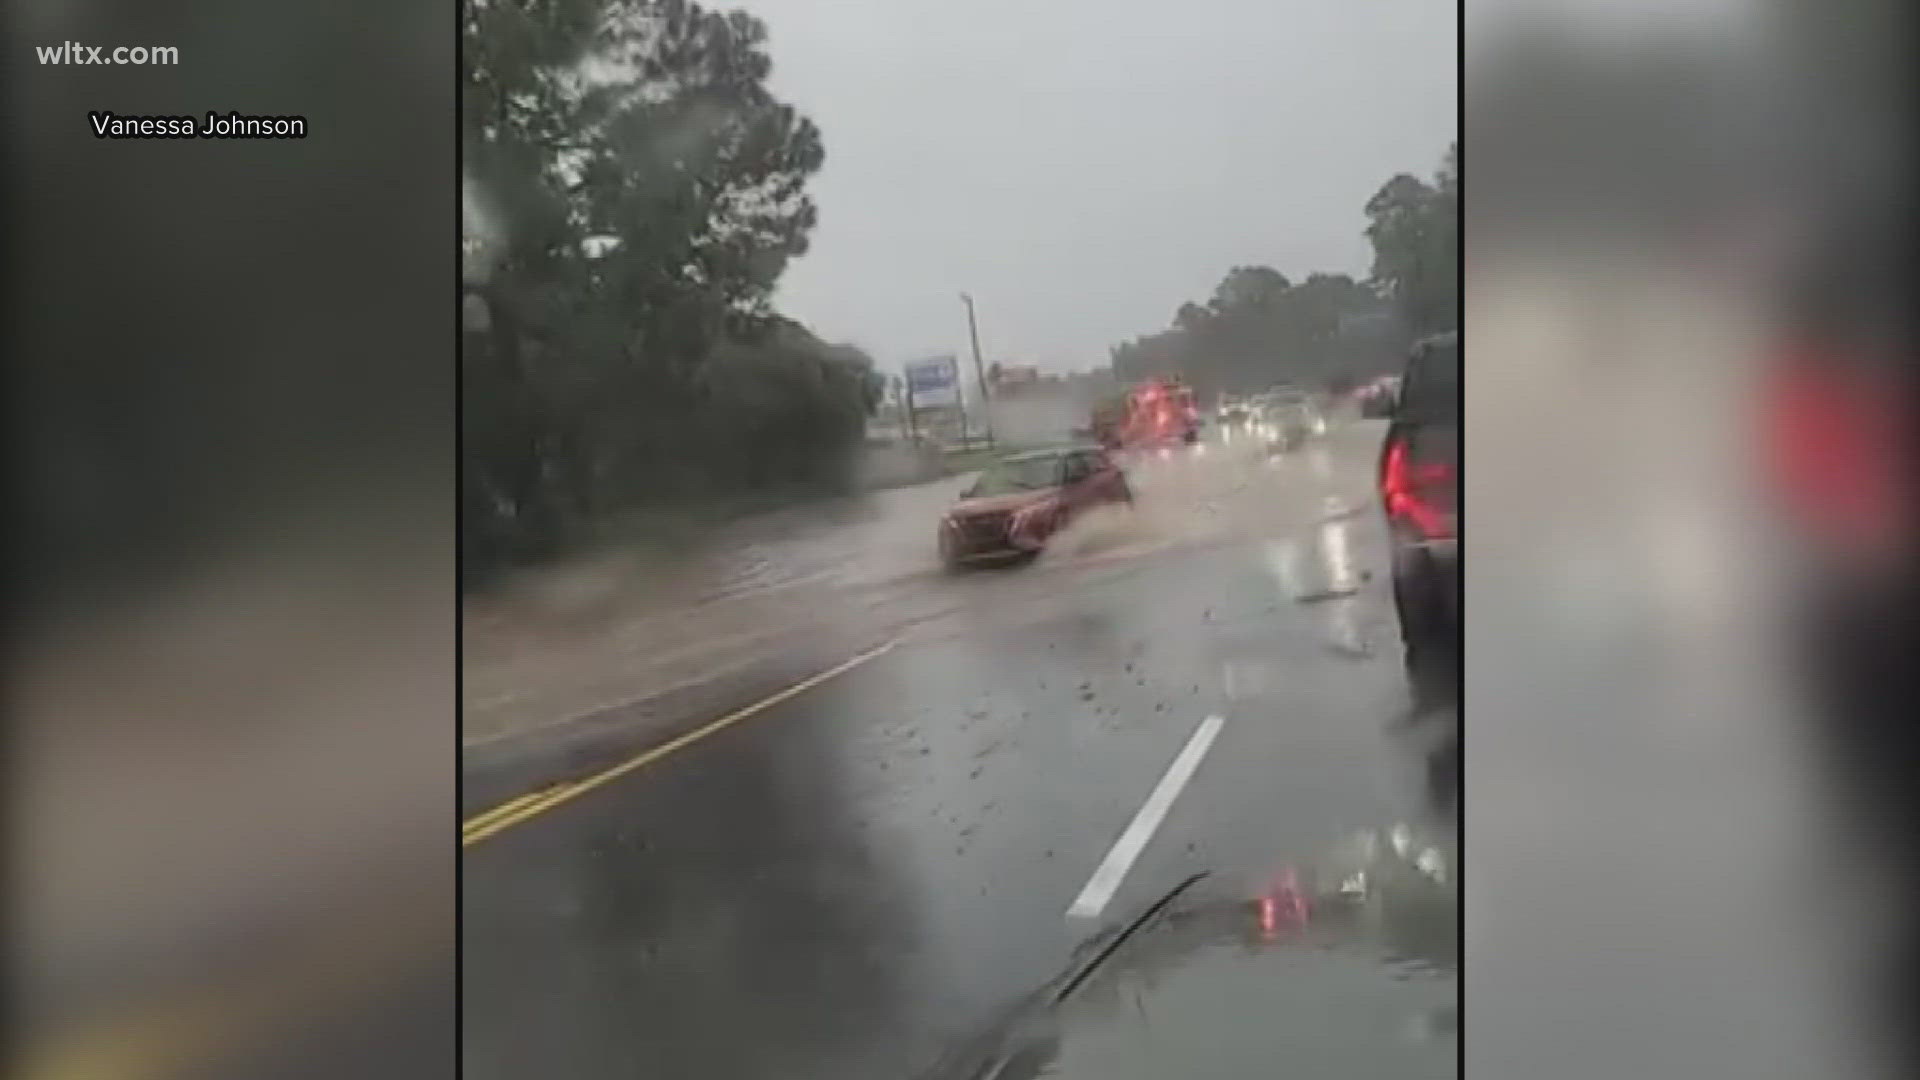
(851, 879)
(607, 632)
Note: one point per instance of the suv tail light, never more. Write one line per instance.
(1402, 481)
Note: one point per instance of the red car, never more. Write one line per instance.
(1020, 501)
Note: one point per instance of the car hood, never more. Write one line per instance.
(995, 504)
(1357, 977)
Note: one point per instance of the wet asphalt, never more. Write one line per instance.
(852, 881)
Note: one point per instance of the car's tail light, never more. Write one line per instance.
(1832, 439)
(1402, 482)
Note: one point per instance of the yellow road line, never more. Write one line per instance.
(509, 814)
(502, 810)
(547, 797)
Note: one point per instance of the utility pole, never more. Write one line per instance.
(979, 373)
(904, 391)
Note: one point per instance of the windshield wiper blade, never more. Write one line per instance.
(1019, 1042)
(1080, 977)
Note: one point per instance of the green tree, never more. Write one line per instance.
(646, 192)
(1414, 228)
(1258, 328)
(1247, 290)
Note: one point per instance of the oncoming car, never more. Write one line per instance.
(1233, 423)
(1020, 501)
(1288, 424)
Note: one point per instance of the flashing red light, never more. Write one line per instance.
(1399, 482)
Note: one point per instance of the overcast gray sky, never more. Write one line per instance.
(1084, 166)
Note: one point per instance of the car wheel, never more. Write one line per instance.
(949, 554)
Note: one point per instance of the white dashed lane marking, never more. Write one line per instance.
(1113, 869)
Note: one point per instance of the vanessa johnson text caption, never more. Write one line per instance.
(215, 125)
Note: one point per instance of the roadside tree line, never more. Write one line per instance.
(633, 193)
(1260, 327)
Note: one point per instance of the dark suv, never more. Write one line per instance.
(1420, 491)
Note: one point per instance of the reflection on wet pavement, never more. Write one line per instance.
(1344, 968)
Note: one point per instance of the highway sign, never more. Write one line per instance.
(934, 382)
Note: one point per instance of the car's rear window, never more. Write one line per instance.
(1430, 393)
